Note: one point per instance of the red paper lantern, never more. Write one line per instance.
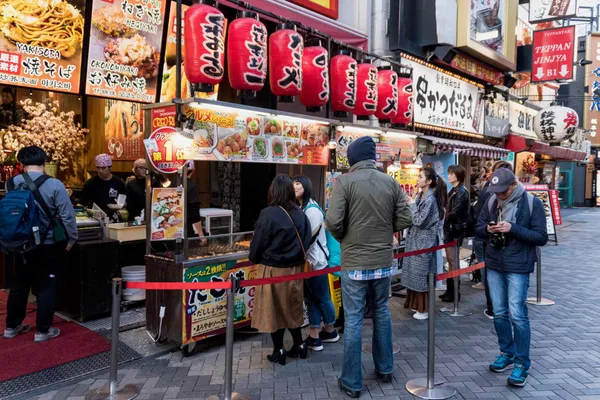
(204, 35)
(247, 54)
(343, 84)
(315, 63)
(387, 94)
(286, 47)
(366, 90)
(405, 101)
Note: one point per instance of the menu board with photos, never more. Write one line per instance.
(125, 47)
(169, 78)
(387, 147)
(124, 130)
(41, 43)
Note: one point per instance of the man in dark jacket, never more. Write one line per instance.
(366, 208)
(513, 233)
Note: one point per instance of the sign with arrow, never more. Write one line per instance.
(553, 54)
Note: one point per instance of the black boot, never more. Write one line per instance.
(449, 295)
(278, 356)
(298, 351)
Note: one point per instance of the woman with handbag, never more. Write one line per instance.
(316, 289)
(281, 235)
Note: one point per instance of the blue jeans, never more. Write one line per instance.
(318, 301)
(509, 296)
(354, 297)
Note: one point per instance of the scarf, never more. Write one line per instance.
(508, 207)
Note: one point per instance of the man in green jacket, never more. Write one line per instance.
(366, 208)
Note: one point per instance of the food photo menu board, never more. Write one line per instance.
(124, 51)
(123, 130)
(41, 43)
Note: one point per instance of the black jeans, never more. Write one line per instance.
(43, 267)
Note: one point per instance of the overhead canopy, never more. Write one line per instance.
(316, 21)
(518, 143)
(466, 148)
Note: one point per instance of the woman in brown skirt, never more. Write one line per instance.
(427, 210)
(281, 235)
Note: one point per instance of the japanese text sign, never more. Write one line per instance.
(123, 130)
(41, 44)
(124, 51)
(521, 120)
(550, 10)
(163, 147)
(444, 101)
(477, 69)
(592, 81)
(553, 54)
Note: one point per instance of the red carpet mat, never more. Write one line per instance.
(21, 356)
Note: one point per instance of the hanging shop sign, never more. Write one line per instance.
(446, 102)
(205, 310)
(496, 119)
(315, 71)
(123, 130)
(343, 85)
(577, 142)
(286, 47)
(521, 119)
(556, 123)
(405, 101)
(41, 44)
(387, 88)
(591, 111)
(553, 53)
(477, 69)
(163, 146)
(168, 82)
(124, 50)
(329, 8)
(167, 213)
(366, 90)
(551, 10)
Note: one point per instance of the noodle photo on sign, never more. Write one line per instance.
(41, 42)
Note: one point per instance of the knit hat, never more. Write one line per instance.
(103, 160)
(140, 162)
(362, 149)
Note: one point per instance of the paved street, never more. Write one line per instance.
(565, 346)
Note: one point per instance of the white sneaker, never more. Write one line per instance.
(11, 333)
(421, 315)
(479, 286)
(42, 337)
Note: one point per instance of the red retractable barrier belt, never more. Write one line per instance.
(302, 275)
(177, 285)
(458, 272)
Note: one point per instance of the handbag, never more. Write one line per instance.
(307, 266)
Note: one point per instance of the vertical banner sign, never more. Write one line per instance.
(553, 54)
(165, 153)
(591, 110)
(555, 205)
(123, 130)
(124, 51)
(41, 43)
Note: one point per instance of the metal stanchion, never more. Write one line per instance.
(110, 391)
(453, 312)
(539, 300)
(425, 388)
(229, 395)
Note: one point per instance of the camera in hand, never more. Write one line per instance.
(498, 240)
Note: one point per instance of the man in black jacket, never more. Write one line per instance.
(479, 242)
(514, 224)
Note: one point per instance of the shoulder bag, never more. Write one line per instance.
(307, 266)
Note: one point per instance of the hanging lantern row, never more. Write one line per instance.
(293, 68)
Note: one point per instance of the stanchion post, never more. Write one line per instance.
(229, 394)
(110, 391)
(426, 388)
(453, 312)
(538, 300)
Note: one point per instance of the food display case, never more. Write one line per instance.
(192, 315)
(217, 221)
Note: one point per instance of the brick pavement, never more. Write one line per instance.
(565, 346)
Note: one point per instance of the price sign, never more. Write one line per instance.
(164, 151)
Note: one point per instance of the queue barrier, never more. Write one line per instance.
(422, 388)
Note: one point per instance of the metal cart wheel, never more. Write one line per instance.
(188, 349)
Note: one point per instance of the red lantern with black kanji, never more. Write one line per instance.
(247, 54)
(366, 90)
(343, 84)
(405, 101)
(387, 94)
(204, 35)
(315, 63)
(286, 47)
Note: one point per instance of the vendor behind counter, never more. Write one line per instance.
(104, 189)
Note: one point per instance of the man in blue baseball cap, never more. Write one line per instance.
(514, 224)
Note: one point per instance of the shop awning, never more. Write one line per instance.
(466, 148)
(309, 18)
(518, 143)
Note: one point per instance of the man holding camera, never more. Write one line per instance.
(514, 224)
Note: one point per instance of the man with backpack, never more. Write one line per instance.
(37, 225)
(514, 224)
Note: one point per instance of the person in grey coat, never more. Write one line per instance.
(427, 210)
